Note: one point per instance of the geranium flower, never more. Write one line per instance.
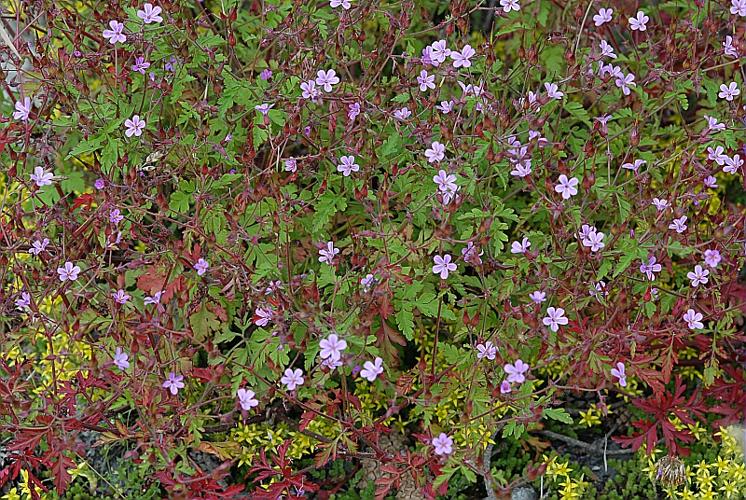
(567, 187)
(537, 296)
(443, 266)
(553, 91)
(371, 371)
(327, 254)
(717, 155)
(336, 3)
(23, 302)
(332, 347)
(266, 74)
(520, 247)
(660, 204)
(625, 83)
(69, 272)
(367, 282)
(619, 373)
(607, 50)
(443, 444)
(402, 114)
(509, 5)
(347, 165)
(436, 152)
(264, 108)
(439, 51)
(41, 177)
(516, 371)
(140, 65)
(463, 59)
(326, 79)
(472, 254)
(263, 315)
(728, 48)
(603, 17)
(693, 319)
(713, 125)
(121, 359)
(23, 109)
(486, 350)
(638, 23)
(446, 182)
(732, 165)
(201, 266)
(120, 297)
(292, 378)
(738, 7)
(712, 258)
(678, 225)
(115, 35)
(134, 126)
(154, 299)
(150, 14)
(554, 318)
(594, 240)
(291, 165)
(634, 166)
(698, 276)
(650, 268)
(505, 387)
(38, 247)
(353, 111)
(729, 92)
(173, 383)
(246, 399)
(521, 169)
(309, 90)
(426, 81)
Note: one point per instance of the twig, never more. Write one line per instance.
(583, 445)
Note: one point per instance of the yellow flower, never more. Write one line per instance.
(591, 417)
(12, 494)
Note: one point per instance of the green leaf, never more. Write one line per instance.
(558, 414)
(179, 201)
(203, 322)
(405, 322)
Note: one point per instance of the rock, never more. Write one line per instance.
(523, 493)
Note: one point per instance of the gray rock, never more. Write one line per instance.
(523, 493)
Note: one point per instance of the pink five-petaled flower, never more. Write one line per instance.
(606, 49)
(738, 7)
(69, 272)
(115, 216)
(309, 90)
(332, 347)
(263, 315)
(472, 254)
(446, 182)
(554, 318)
(520, 247)
(402, 114)
(679, 225)
(344, 3)
(438, 52)
(292, 378)
(698, 276)
(150, 14)
(264, 108)
(603, 17)
(23, 109)
(625, 82)
(729, 92)
(201, 266)
(713, 125)
(371, 371)
(594, 240)
(553, 91)
(660, 204)
(367, 282)
(135, 126)
(509, 5)
(347, 165)
(634, 166)
(38, 247)
(486, 350)
(24, 301)
(516, 371)
(537, 296)
(650, 268)
(463, 59)
(173, 383)
(693, 319)
(443, 266)
(115, 35)
(443, 444)
(435, 152)
(505, 387)
(712, 258)
(291, 165)
(154, 299)
(120, 297)
(717, 154)
(327, 254)
(326, 79)
(732, 164)
(619, 373)
(567, 187)
(41, 177)
(121, 359)
(140, 65)
(246, 399)
(426, 81)
(638, 23)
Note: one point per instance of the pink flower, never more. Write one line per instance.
(292, 378)
(291, 165)
(554, 318)
(120, 297)
(516, 371)
(121, 359)
(336, 3)
(520, 247)
(201, 266)
(371, 371)
(38, 247)
(367, 282)
(69, 272)
(23, 109)
(693, 319)
(462, 59)
(553, 91)
(712, 258)
(443, 266)
(436, 152)
(263, 315)
(634, 166)
(486, 350)
(115, 35)
(402, 114)
(639, 22)
(445, 107)
(246, 399)
(678, 225)
(603, 17)
(154, 300)
(717, 155)
(522, 169)
(509, 5)
(115, 216)
(326, 79)
(505, 387)
(327, 254)
(332, 347)
(732, 164)
(470, 255)
(446, 182)
(650, 268)
(150, 14)
(728, 48)
(729, 92)
(309, 90)
(41, 177)
(625, 82)
(619, 373)
(264, 108)
(347, 165)
(173, 383)
(537, 296)
(140, 65)
(353, 110)
(713, 125)
(23, 302)
(567, 187)
(699, 276)
(738, 7)
(606, 50)
(660, 204)
(438, 52)
(426, 81)
(443, 444)
(134, 126)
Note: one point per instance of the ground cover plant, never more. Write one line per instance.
(372, 249)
